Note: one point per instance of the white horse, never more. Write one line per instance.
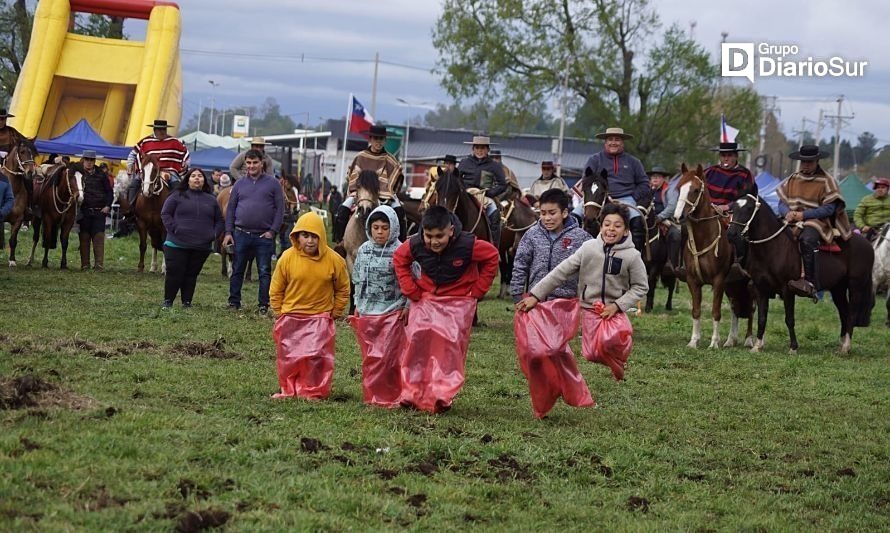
(881, 269)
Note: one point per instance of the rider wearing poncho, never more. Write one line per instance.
(812, 197)
(389, 173)
(172, 156)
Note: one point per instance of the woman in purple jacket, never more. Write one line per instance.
(193, 222)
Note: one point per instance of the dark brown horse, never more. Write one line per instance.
(708, 258)
(596, 193)
(56, 193)
(448, 191)
(516, 218)
(412, 212)
(656, 257)
(774, 259)
(18, 167)
(155, 190)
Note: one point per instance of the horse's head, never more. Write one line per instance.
(693, 195)
(743, 212)
(447, 190)
(596, 193)
(152, 180)
(367, 192)
(20, 160)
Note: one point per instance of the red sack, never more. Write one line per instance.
(305, 345)
(382, 341)
(542, 346)
(607, 341)
(438, 334)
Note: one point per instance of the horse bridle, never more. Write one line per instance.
(747, 225)
(19, 160)
(57, 200)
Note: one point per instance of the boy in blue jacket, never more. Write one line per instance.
(545, 245)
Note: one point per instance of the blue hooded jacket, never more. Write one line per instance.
(377, 290)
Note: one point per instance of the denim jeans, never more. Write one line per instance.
(247, 247)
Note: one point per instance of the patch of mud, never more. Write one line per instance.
(101, 499)
(212, 350)
(309, 445)
(202, 519)
(188, 489)
(507, 468)
(847, 472)
(417, 500)
(636, 503)
(31, 391)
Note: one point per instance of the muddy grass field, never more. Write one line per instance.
(117, 415)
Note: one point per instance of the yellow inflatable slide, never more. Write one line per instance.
(119, 86)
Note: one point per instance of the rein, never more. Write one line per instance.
(747, 225)
(690, 242)
(57, 197)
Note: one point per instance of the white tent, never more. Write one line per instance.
(199, 140)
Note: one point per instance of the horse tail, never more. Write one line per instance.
(741, 300)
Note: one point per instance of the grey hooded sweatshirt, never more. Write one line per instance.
(377, 290)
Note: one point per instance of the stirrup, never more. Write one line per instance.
(803, 288)
(680, 273)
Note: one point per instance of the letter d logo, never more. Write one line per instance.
(737, 59)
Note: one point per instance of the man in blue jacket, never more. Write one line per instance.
(6, 200)
(627, 178)
(253, 217)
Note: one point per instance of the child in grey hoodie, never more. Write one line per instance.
(377, 291)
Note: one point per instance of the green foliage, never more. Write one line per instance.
(148, 429)
(264, 120)
(99, 25)
(622, 66)
(497, 118)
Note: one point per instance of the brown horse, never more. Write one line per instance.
(595, 188)
(447, 190)
(226, 265)
(774, 259)
(516, 218)
(366, 200)
(412, 212)
(708, 257)
(155, 190)
(656, 257)
(55, 196)
(18, 167)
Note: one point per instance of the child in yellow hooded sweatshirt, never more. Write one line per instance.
(310, 288)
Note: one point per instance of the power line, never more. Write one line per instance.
(302, 58)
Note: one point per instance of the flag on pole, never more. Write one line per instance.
(361, 119)
(727, 132)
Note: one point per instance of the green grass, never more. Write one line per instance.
(147, 434)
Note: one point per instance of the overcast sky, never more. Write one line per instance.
(311, 55)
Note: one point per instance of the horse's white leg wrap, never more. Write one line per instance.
(696, 333)
(715, 335)
(733, 338)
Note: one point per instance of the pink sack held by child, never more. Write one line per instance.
(545, 357)
(438, 335)
(607, 341)
(381, 339)
(305, 355)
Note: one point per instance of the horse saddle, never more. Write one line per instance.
(831, 248)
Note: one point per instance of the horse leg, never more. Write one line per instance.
(163, 262)
(35, 227)
(789, 299)
(63, 238)
(887, 300)
(716, 302)
(733, 337)
(839, 297)
(506, 274)
(671, 287)
(13, 241)
(142, 246)
(695, 290)
(762, 314)
(650, 296)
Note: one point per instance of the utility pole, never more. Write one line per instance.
(838, 122)
(802, 132)
(374, 86)
(213, 86)
(769, 106)
(562, 117)
(819, 126)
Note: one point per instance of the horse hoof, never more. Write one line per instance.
(792, 351)
(12, 264)
(749, 342)
(756, 348)
(692, 344)
(730, 343)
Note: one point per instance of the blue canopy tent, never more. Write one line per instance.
(766, 188)
(81, 137)
(213, 158)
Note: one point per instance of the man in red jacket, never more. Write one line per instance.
(452, 262)
(444, 271)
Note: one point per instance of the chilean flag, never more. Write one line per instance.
(727, 132)
(361, 120)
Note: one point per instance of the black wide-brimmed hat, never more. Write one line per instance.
(546, 164)
(658, 169)
(449, 159)
(159, 124)
(375, 131)
(808, 152)
(724, 148)
(494, 153)
(5, 114)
